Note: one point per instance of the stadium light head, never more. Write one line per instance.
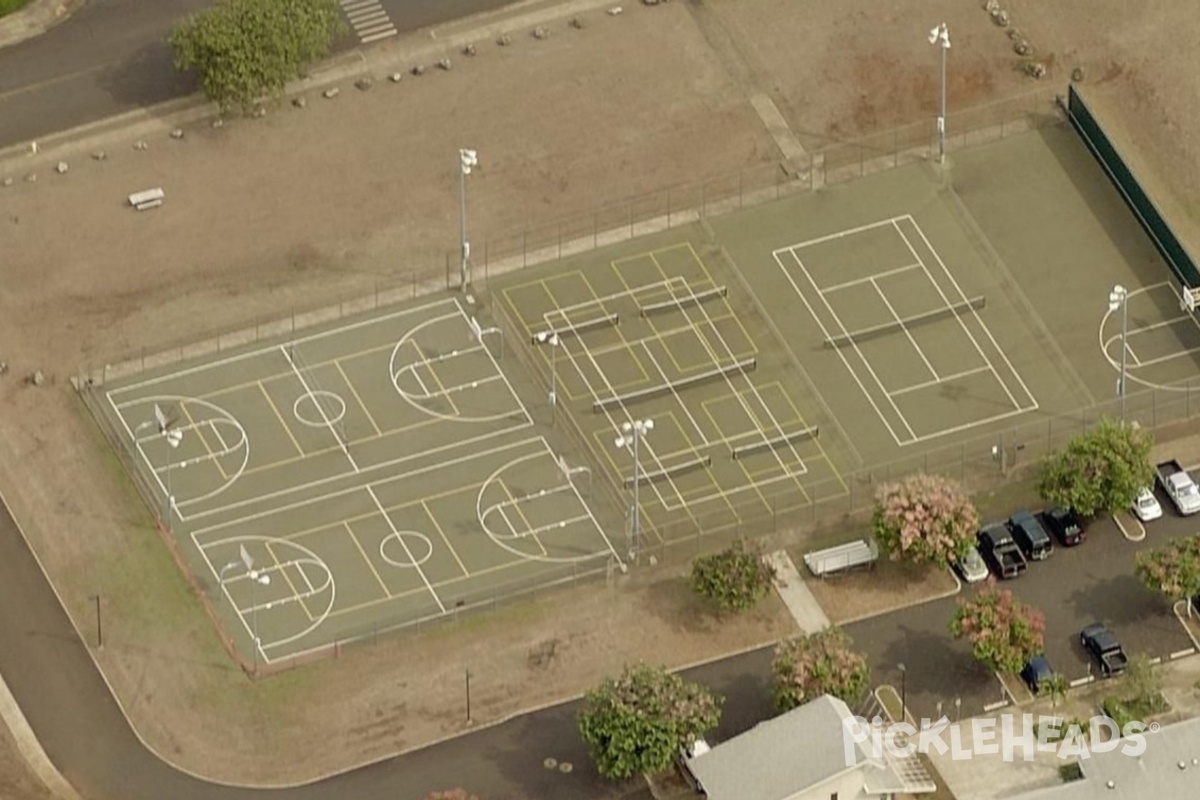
(547, 337)
(469, 159)
(1116, 297)
(941, 32)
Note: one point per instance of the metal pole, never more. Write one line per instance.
(942, 122)
(254, 615)
(468, 676)
(99, 625)
(1124, 349)
(637, 515)
(462, 220)
(553, 378)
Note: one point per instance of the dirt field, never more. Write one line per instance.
(305, 205)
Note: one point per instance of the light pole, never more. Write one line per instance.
(631, 436)
(550, 338)
(257, 579)
(174, 437)
(941, 36)
(1119, 298)
(467, 160)
(903, 692)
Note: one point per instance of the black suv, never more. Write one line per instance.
(1030, 536)
(1066, 526)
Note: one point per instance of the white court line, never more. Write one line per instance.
(270, 348)
(400, 476)
(912, 434)
(974, 312)
(675, 394)
(600, 301)
(687, 313)
(321, 408)
(838, 235)
(904, 328)
(407, 550)
(136, 443)
(612, 392)
(217, 432)
(1137, 362)
(943, 379)
(871, 278)
(1170, 356)
(496, 366)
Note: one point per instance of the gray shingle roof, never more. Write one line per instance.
(786, 755)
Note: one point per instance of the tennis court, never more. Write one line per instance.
(358, 478)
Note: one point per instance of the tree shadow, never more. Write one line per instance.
(147, 77)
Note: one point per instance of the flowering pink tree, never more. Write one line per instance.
(1004, 632)
(807, 667)
(924, 518)
(1173, 569)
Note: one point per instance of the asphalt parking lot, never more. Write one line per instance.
(1093, 582)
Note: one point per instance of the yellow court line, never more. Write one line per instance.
(370, 564)
(337, 448)
(820, 447)
(279, 417)
(358, 399)
(216, 460)
(445, 539)
(750, 340)
(433, 374)
(295, 593)
(528, 525)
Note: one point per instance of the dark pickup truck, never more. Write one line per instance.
(1000, 551)
(1098, 640)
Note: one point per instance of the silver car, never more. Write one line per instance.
(971, 567)
(1146, 506)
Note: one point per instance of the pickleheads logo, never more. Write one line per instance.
(994, 736)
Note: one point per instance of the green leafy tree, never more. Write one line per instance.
(245, 50)
(635, 723)
(1173, 569)
(735, 578)
(807, 667)
(924, 518)
(1143, 684)
(1004, 633)
(1055, 687)
(1099, 471)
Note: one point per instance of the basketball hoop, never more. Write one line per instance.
(1190, 299)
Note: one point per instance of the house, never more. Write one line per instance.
(803, 755)
(1168, 769)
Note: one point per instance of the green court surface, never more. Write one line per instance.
(355, 479)
(425, 459)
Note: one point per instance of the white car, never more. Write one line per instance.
(1146, 506)
(971, 567)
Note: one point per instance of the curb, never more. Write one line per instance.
(35, 19)
(1137, 535)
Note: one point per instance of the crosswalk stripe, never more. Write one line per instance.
(376, 37)
(374, 13)
(375, 27)
(356, 4)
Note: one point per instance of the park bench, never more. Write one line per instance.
(862, 553)
(151, 198)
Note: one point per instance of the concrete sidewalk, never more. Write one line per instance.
(35, 19)
(804, 608)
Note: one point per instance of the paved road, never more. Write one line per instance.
(111, 57)
(1074, 587)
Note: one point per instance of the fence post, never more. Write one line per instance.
(524, 250)
(668, 209)
(703, 200)
(741, 197)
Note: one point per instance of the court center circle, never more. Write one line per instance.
(319, 405)
(416, 544)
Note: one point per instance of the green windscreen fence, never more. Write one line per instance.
(1160, 233)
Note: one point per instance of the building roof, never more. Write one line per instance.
(779, 758)
(1169, 769)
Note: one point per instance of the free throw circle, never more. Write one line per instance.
(319, 409)
(407, 548)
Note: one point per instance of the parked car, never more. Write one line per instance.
(1030, 536)
(1066, 526)
(688, 752)
(1179, 486)
(1000, 552)
(1146, 507)
(1036, 673)
(970, 567)
(1098, 640)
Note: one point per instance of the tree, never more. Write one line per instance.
(924, 518)
(635, 723)
(1055, 687)
(1099, 471)
(1004, 633)
(735, 578)
(1173, 569)
(807, 667)
(1143, 683)
(245, 50)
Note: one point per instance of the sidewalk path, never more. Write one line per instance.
(794, 592)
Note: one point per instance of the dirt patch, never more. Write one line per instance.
(17, 782)
(890, 585)
(305, 206)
